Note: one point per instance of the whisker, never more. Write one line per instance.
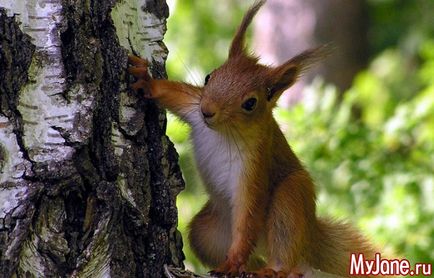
(240, 135)
(189, 72)
(230, 152)
(231, 131)
(187, 115)
(195, 95)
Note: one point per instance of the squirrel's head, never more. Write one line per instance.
(243, 92)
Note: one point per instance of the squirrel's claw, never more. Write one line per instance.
(139, 67)
(137, 61)
(142, 87)
(139, 72)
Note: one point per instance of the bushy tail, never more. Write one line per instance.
(334, 244)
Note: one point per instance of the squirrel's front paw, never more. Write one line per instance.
(139, 70)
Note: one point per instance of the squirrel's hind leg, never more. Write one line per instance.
(210, 234)
(291, 220)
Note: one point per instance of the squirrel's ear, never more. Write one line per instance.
(284, 76)
(281, 79)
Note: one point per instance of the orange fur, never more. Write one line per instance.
(262, 200)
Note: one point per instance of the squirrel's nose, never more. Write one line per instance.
(208, 109)
(207, 114)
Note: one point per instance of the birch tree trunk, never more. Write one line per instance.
(88, 179)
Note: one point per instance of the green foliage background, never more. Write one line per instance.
(376, 169)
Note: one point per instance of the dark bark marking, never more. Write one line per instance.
(132, 227)
(16, 52)
(142, 236)
(157, 7)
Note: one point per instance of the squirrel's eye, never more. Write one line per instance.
(250, 104)
(207, 78)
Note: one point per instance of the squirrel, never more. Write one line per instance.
(260, 219)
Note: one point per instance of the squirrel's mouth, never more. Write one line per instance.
(214, 123)
(210, 123)
(210, 120)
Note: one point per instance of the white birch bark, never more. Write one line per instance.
(88, 180)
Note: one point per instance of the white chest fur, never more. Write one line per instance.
(218, 159)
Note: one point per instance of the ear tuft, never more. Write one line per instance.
(287, 74)
(310, 57)
(237, 46)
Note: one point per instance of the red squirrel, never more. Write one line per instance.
(260, 218)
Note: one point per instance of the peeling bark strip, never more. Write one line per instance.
(88, 179)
